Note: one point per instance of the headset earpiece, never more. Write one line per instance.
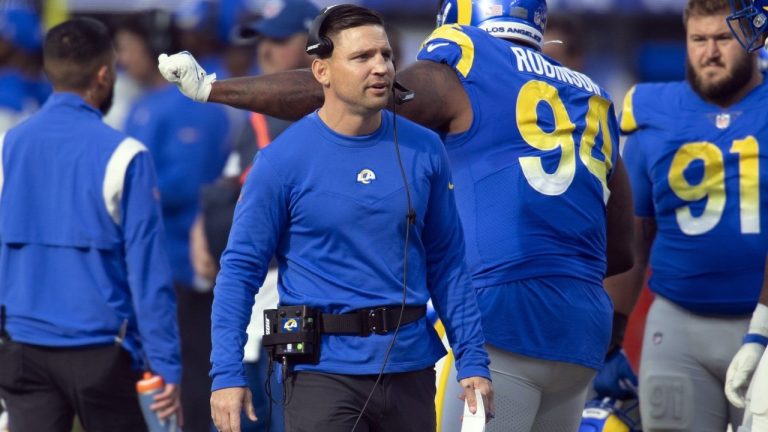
(316, 43)
(405, 95)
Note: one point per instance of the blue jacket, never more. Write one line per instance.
(332, 210)
(81, 237)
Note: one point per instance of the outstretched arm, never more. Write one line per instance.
(441, 102)
(287, 95)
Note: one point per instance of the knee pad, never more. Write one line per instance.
(666, 401)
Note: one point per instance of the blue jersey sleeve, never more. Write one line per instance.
(448, 278)
(260, 217)
(149, 273)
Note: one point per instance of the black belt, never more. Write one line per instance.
(363, 322)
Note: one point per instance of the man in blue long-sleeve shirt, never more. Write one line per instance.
(84, 276)
(328, 199)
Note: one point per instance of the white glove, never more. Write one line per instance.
(745, 361)
(183, 70)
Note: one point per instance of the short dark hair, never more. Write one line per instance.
(704, 8)
(74, 51)
(347, 16)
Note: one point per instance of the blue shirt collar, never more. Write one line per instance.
(71, 100)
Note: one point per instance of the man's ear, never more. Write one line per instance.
(103, 76)
(321, 71)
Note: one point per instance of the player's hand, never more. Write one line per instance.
(226, 405)
(183, 70)
(168, 403)
(740, 372)
(616, 379)
(469, 385)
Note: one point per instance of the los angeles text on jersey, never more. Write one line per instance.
(533, 62)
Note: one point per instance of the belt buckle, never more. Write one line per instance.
(377, 321)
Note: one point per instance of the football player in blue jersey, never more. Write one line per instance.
(541, 190)
(697, 152)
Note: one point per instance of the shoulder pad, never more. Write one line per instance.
(651, 104)
(628, 124)
(450, 44)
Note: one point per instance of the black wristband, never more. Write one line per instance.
(617, 331)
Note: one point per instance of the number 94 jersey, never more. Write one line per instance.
(701, 172)
(531, 173)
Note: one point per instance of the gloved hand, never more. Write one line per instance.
(183, 70)
(616, 379)
(745, 361)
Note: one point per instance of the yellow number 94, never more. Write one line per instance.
(561, 137)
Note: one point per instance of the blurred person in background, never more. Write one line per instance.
(279, 40)
(190, 143)
(85, 284)
(195, 25)
(24, 89)
(697, 157)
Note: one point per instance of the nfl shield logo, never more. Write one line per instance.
(723, 120)
(494, 10)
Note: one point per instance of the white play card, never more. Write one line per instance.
(474, 422)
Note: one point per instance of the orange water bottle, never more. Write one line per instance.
(147, 388)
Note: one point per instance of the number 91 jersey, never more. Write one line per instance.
(700, 171)
(531, 173)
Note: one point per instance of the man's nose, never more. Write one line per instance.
(381, 65)
(712, 50)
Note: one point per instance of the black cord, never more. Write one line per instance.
(268, 390)
(410, 219)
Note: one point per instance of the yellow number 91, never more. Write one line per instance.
(712, 185)
(561, 137)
